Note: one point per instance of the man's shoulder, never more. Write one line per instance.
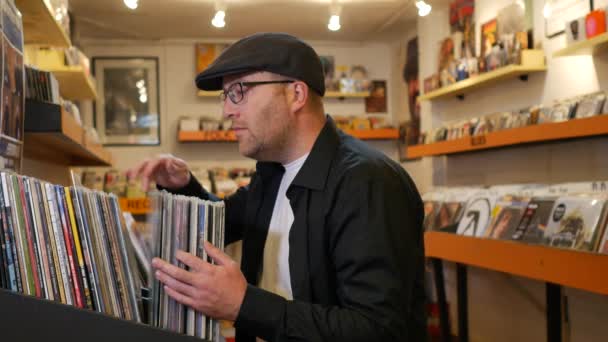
(356, 156)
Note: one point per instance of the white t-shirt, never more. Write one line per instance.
(275, 275)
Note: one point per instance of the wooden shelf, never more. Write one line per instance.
(39, 25)
(577, 128)
(582, 270)
(328, 94)
(229, 136)
(135, 206)
(532, 61)
(53, 135)
(206, 136)
(374, 134)
(74, 83)
(204, 93)
(341, 95)
(585, 47)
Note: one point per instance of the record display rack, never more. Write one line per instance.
(53, 135)
(554, 266)
(135, 206)
(576, 128)
(328, 94)
(39, 25)
(586, 47)
(532, 61)
(26, 318)
(229, 136)
(74, 83)
(581, 270)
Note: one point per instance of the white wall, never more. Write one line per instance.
(503, 307)
(178, 96)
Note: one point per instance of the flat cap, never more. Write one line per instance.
(279, 53)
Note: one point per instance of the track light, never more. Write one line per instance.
(132, 4)
(334, 19)
(547, 9)
(220, 14)
(423, 8)
(218, 20)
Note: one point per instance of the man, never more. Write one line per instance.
(331, 229)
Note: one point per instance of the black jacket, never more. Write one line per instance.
(356, 247)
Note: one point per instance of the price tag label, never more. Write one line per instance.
(478, 140)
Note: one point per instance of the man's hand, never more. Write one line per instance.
(215, 290)
(165, 170)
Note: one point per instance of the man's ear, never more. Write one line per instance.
(300, 95)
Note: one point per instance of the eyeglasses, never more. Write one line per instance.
(236, 93)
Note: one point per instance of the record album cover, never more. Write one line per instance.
(478, 215)
(575, 222)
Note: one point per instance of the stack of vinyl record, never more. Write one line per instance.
(65, 244)
(183, 223)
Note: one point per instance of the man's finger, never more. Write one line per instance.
(179, 297)
(174, 271)
(147, 172)
(195, 263)
(217, 255)
(175, 284)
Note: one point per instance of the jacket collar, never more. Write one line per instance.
(313, 173)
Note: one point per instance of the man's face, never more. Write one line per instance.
(261, 120)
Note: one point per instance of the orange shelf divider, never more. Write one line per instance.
(135, 206)
(581, 270)
(577, 128)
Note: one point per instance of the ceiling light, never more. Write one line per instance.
(132, 4)
(334, 23)
(334, 20)
(143, 98)
(547, 9)
(423, 8)
(140, 83)
(218, 20)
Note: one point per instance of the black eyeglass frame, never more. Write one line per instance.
(226, 93)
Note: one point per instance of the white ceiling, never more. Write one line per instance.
(168, 19)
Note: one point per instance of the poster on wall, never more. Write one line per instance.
(127, 109)
(462, 14)
(205, 54)
(376, 102)
(12, 103)
(409, 131)
(563, 12)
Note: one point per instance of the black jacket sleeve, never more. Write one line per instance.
(235, 206)
(375, 242)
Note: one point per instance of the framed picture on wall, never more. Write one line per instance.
(127, 110)
(563, 12)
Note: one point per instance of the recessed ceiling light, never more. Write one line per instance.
(132, 4)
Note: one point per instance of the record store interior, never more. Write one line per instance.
(496, 109)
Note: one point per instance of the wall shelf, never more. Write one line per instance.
(229, 136)
(532, 61)
(205, 93)
(135, 206)
(74, 83)
(585, 47)
(341, 95)
(206, 136)
(53, 135)
(39, 25)
(328, 94)
(577, 128)
(582, 270)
